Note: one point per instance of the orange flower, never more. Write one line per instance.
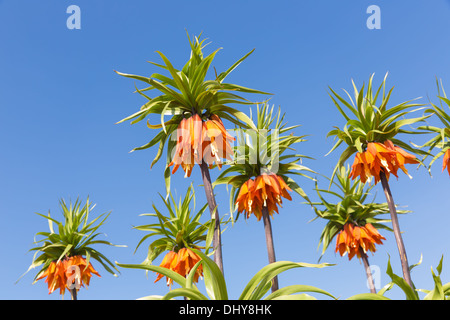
(188, 144)
(60, 273)
(379, 158)
(77, 266)
(169, 262)
(352, 238)
(446, 161)
(197, 140)
(182, 263)
(56, 276)
(216, 141)
(247, 198)
(265, 191)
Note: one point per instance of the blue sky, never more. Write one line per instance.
(60, 100)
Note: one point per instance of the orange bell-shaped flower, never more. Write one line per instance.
(265, 191)
(352, 238)
(181, 262)
(378, 157)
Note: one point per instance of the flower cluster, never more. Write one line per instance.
(199, 140)
(353, 238)
(181, 262)
(265, 191)
(380, 157)
(61, 274)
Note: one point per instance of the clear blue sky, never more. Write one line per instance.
(60, 99)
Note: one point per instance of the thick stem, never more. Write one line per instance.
(73, 293)
(269, 243)
(367, 269)
(217, 238)
(396, 227)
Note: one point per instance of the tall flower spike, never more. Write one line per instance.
(188, 91)
(260, 176)
(370, 124)
(64, 248)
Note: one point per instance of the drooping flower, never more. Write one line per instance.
(247, 198)
(61, 274)
(446, 161)
(56, 276)
(181, 262)
(352, 238)
(188, 148)
(216, 141)
(78, 266)
(265, 191)
(169, 262)
(198, 141)
(186, 261)
(377, 158)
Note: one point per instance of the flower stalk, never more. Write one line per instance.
(396, 228)
(365, 260)
(269, 243)
(217, 237)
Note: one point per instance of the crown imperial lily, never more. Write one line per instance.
(182, 263)
(375, 127)
(60, 273)
(262, 171)
(187, 92)
(378, 158)
(62, 254)
(198, 141)
(265, 191)
(352, 238)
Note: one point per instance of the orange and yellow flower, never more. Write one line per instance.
(216, 141)
(181, 262)
(199, 140)
(61, 274)
(381, 157)
(265, 191)
(352, 238)
(446, 161)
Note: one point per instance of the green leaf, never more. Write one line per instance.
(260, 283)
(410, 293)
(214, 280)
(164, 271)
(289, 290)
(368, 296)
